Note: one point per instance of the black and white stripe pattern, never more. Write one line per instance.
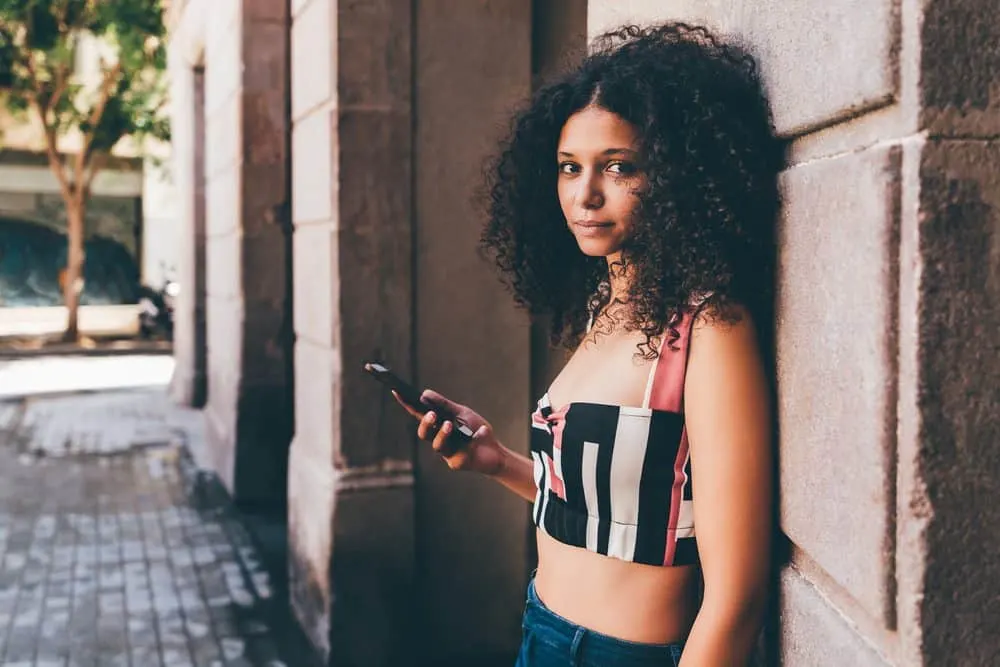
(617, 472)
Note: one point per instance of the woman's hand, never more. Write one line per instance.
(482, 454)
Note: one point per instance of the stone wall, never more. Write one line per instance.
(396, 106)
(243, 49)
(351, 472)
(886, 332)
(471, 344)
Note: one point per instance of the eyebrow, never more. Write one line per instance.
(610, 151)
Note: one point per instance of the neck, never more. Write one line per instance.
(619, 275)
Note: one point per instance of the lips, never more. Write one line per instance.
(591, 228)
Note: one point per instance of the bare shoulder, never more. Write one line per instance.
(725, 363)
(733, 332)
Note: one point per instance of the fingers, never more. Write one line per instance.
(439, 435)
(427, 427)
(441, 444)
(406, 406)
(431, 397)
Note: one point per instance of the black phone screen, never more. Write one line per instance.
(411, 396)
(406, 391)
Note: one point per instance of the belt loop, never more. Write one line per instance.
(574, 649)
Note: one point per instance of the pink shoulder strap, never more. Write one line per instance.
(665, 388)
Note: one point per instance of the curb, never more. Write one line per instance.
(119, 348)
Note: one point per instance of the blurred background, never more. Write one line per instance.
(247, 199)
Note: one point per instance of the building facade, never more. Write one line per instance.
(326, 157)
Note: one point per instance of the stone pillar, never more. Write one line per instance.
(187, 170)
(473, 66)
(199, 379)
(224, 296)
(265, 404)
(950, 335)
(351, 468)
(887, 330)
(243, 46)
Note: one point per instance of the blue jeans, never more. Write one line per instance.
(549, 640)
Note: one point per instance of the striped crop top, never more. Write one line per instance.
(616, 480)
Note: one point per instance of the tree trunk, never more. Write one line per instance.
(73, 277)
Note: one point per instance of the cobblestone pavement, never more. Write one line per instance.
(109, 554)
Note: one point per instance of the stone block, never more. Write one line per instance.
(372, 576)
(264, 429)
(223, 136)
(836, 367)
(375, 270)
(222, 15)
(264, 343)
(267, 275)
(815, 633)
(313, 57)
(299, 5)
(225, 342)
(264, 199)
(265, 57)
(311, 497)
(852, 62)
(223, 69)
(265, 132)
(316, 292)
(265, 10)
(222, 203)
(960, 61)
(223, 255)
(314, 170)
(957, 395)
(373, 53)
(317, 407)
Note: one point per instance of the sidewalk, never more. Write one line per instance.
(113, 550)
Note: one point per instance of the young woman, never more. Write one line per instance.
(634, 203)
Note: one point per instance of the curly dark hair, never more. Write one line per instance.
(705, 224)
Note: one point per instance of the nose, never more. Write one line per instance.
(590, 194)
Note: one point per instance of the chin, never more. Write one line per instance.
(597, 248)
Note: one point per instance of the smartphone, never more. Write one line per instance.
(411, 396)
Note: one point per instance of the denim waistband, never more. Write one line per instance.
(581, 643)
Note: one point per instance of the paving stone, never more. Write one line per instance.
(105, 560)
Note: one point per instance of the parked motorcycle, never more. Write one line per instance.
(156, 310)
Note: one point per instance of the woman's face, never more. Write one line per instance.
(599, 179)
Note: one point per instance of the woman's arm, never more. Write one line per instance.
(517, 474)
(483, 454)
(727, 412)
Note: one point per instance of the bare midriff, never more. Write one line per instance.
(629, 601)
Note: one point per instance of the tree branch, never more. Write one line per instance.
(96, 164)
(95, 117)
(51, 140)
(62, 81)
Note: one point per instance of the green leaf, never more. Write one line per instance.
(43, 26)
(115, 123)
(15, 103)
(48, 31)
(75, 12)
(7, 55)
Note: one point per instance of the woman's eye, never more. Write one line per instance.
(621, 168)
(568, 168)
